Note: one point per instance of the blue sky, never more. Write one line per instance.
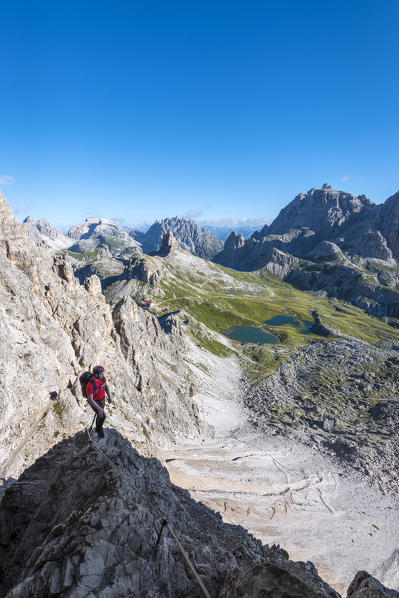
(141, 110)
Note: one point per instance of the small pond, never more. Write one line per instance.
(305, 326)
(251, 334)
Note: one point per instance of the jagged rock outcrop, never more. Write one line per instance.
(349, 284)
(140, 269)
(254, 253)
(53, 328)
(73, 526)
(168, 243)
(279, 263)
(187, 233)
(48, 233)
(97, 232)
(368, 244)
(366, 586)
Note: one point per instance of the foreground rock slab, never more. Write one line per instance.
(71, 525)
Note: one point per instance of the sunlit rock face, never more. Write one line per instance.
(53, 328)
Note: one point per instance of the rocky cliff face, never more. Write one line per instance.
(188, 234)
(53, 328)
(389, 223)
(73, 525)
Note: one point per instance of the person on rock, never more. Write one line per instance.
(96, 389)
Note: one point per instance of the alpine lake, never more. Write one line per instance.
(254, 334)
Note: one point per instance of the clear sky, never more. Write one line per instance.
(141, 110)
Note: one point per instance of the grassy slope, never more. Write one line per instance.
(220, 298)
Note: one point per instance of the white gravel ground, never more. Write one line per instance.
(284, 492)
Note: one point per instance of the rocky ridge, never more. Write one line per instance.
(187, 233)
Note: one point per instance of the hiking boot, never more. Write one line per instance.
(100, 433)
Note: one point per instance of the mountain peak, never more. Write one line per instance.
(322, 210)
(187, 233)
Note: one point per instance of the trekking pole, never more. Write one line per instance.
(95, 415)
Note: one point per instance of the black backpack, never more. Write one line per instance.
(88, 377)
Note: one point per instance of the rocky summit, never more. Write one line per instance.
(101, 232)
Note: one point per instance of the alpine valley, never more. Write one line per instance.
(255, 406)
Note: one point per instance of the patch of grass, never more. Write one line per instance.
(86, 256)
(145, 431)
(58, 409)
(56, 433)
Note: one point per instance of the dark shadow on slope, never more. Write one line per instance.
(72, 510)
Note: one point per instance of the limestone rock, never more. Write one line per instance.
(93, 286)
(168, 243)
(140, 269)
(390, 223)
(326, 250)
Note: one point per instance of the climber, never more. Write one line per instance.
(96, 396)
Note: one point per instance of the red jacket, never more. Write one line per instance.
(99, 393)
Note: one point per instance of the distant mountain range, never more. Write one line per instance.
(325, 241)
(223, 227)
